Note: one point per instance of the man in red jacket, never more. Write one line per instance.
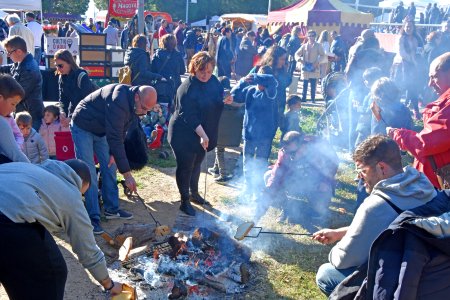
(434, 139)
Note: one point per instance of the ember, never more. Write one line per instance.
(193, 265)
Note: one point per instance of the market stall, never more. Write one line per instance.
(247, 21)
(322, 15)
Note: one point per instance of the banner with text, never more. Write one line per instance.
(122, 8)
(53, 44)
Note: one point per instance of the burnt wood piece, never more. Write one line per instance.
(141, 233)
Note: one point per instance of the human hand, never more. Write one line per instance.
(204, 141)
(228, 100)
(65, 122)
(327, 236)
(130, 182)
(111, 161)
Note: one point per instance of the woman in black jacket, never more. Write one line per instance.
(74, 84)
(224, 54)
(193, 127)
(138, 59)
(167, 61)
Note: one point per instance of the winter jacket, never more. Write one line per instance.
(408, 260)
(47, 132)
(49, 194)
(197, 103)
(293, 45)
(29, 76)
(109, 112)
(406, 190)
(71, 92)
(260, 120)
(310, 53)
(34, 148)
(169, 64)
(139, 61)
(190, 40)
(15, 130)
(244, 62)
(432, 140)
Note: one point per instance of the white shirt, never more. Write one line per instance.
(25, 33)
(37, 30)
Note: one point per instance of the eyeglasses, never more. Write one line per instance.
(10, 52)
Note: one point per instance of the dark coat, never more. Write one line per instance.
(169, 64)
(29, 76)
(139, 61)
(395, 115)
(405, 261)
(109, 111)
(190, 40)
(197, 103)
(244, 62)
(70, 94)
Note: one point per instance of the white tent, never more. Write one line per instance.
(202, 23)
(29, 5)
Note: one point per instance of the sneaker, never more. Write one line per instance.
(213, 171)
(97, 227)
(120, 214)
(223, 178)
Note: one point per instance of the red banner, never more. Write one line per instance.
(122, 8)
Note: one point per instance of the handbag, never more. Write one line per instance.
(308, 67)
(442, 173)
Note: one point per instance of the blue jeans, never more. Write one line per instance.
(256, 154)
(37, 55)
(86, 145)
(328, 277)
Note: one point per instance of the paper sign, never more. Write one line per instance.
(53, 44)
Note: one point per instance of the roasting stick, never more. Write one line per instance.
(244, 229)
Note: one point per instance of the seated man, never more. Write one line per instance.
(32, 266)
(391, 190)
(306, 166)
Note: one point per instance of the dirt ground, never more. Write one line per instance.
(158, 188)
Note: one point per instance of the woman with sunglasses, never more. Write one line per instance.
(74, 83)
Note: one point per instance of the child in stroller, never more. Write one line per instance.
(155, 125)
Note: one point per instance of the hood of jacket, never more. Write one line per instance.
(63, 171)
(135, 55)
(269, 82)
(401, 189)
(162, 54)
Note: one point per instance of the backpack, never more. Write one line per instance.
(93, 86)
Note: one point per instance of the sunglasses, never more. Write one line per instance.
(59, 66)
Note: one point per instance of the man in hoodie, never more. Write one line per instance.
(391, 190)
(32, 264)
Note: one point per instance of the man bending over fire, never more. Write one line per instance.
(391, 190)
(306, 167)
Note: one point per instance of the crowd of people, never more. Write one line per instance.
(378, 125)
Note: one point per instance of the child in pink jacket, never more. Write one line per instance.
(50, 125)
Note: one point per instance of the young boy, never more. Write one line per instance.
(50, 125)
(291, 120)
(34, 146)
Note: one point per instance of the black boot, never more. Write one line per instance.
(196, 198)
(187, 208)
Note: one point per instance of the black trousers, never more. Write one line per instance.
(313, 82)
(31, 265)
(188, 171)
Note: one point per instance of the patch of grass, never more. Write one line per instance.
(309, 116)
(154, 158)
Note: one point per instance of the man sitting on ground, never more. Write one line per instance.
(392, 190)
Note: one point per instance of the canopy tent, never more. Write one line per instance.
(28, 5)
(202, 23)
(321, 15)
(250, 21)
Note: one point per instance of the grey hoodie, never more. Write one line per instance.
(405, 190)
(49, 194)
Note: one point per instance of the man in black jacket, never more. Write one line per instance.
(99, 124)
(26, 71)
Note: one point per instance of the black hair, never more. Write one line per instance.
(292, 100)
(372, 74)
(53, 109)
(81, 168)
(225, 82)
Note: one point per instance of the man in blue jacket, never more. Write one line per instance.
(99, 124)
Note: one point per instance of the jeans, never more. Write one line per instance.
(219, 162)
(37, 55)
(30, 262)
(256, 154)
(86, 145)
(313, 89)
(328, 277)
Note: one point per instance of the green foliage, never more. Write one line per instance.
(65, 6)
(101, 4)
